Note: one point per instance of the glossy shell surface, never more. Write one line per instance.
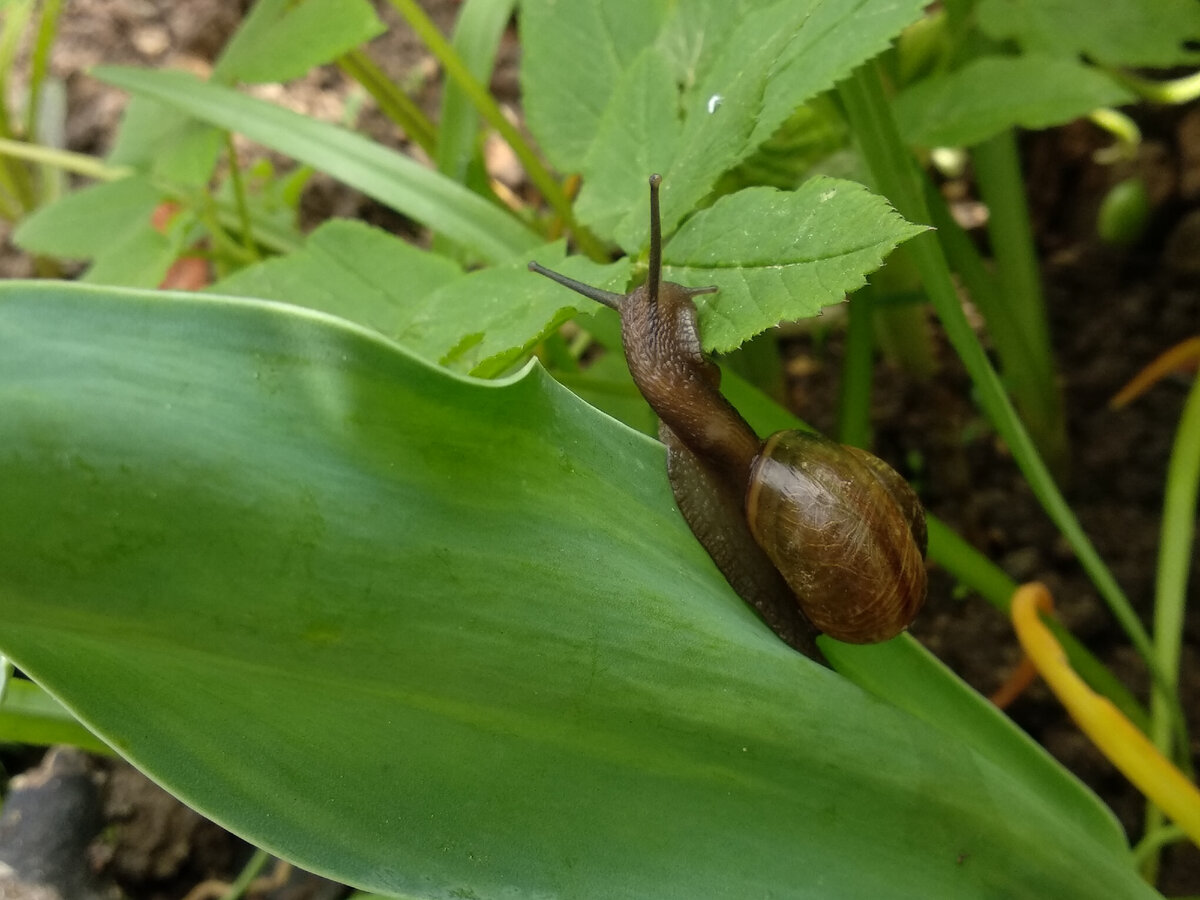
(846, 532)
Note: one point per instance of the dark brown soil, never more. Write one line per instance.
(1111, 311)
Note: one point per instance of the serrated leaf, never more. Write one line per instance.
(1129, 33)
(636, 136)
(291, 38)
(781, 255)
(715, 120)
(993, 93)
(719, 96)
(445, 638)
(352, 270)
(811, 135)
(571, 56)
(694, 34)
(838, 37)
(486, 321)
(482, 322)
(778, 58)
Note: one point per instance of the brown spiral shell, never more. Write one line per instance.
(846, 532)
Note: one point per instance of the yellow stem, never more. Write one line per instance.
(1126, 747)
(1186, 353)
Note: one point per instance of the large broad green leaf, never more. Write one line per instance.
(993, 93)
(389, 177)
(450, 638)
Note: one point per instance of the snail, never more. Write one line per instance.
(815, 535)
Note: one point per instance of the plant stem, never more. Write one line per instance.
(1123, 128)
(46, 31)
(1153, 842)
(477, 33)
(1127, 748)
(893, 170)
(1018, 323)
(76, 163)
(249, 872)
(245, 224)
(457, 70)
(854, 393)
(393, 102)
(10, 209)
(981, 575)
(17, 178)
(1175, 551)
(1175, 91)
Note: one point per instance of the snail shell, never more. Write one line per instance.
(846, 532)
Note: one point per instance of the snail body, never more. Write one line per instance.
(817, 536)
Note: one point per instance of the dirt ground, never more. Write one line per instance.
(1111, 311)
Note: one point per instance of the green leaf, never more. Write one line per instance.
(28, 715)
(993, 93)
(84, 224)
(167, 144)
(478, 31)
(1130, 33)
(141, 258)
(778, 58)
(448, 638)
(906, 674)
(291, 38)
(387, 176)
(807, 249)
(351, 270)
(694, 118)
(481, 323)
(571, 56)
(809, 138)
(110, 224)
(487, 321)
(835, 39)
(636, 136)
(270, 199)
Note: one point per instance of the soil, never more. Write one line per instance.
(1111, 312)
